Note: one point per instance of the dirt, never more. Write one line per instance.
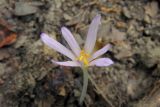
(29, 79)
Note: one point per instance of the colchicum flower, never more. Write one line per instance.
(80, 58)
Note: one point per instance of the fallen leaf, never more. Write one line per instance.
(7, 36)
(110, 10)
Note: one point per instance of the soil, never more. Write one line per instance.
(29, 79)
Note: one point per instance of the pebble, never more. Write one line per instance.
(26, 8)
(151, 9)
(67, 17)
(4, 54)
(2, 68)
(126, 12)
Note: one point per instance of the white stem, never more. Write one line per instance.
(99, 90)
(85, 84)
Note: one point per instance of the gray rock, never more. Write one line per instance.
(26, 8)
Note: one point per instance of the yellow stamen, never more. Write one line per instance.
(84, 58)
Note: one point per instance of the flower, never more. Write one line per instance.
(84, 57)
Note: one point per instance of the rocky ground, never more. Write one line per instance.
(29, 79)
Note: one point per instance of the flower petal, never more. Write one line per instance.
(92, 34)
(71, 41)
(67, 63)
(101, 62)
(57, 46)
(100, 52)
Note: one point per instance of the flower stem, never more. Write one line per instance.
(85, 84)
(86, 76)
(99, 90)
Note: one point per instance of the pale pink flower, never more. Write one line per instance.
(84, 57)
